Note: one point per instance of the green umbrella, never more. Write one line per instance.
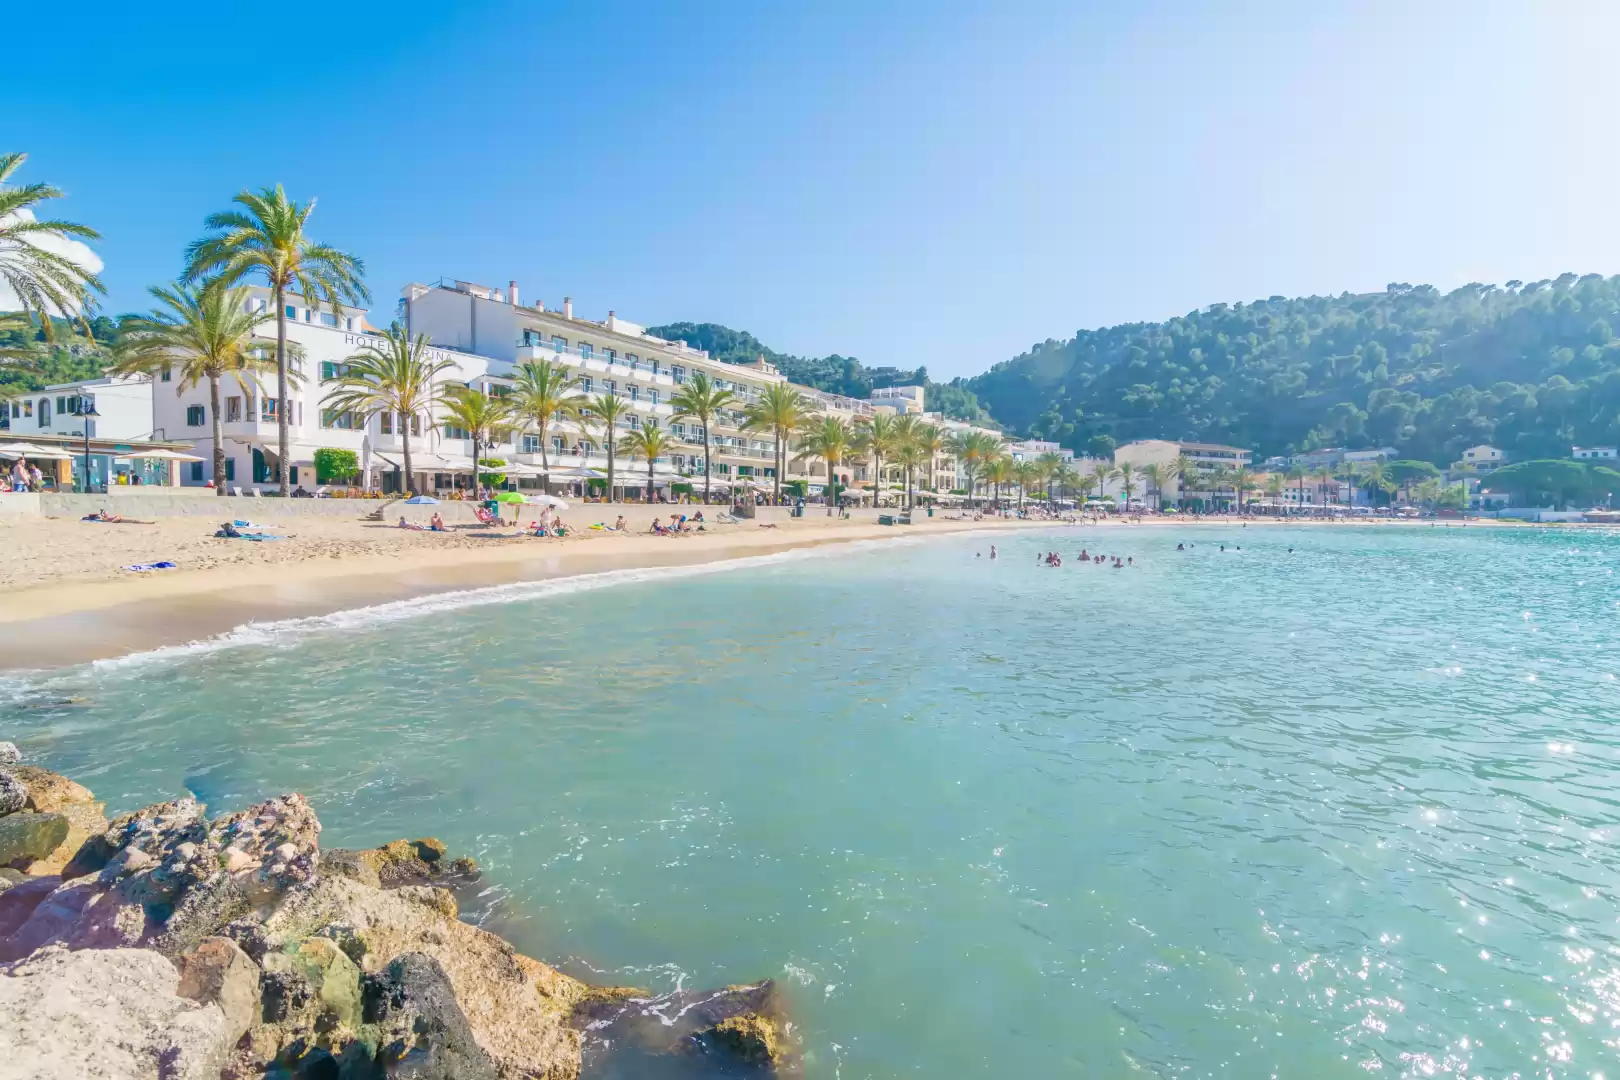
(509, 497)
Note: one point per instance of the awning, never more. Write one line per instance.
(428, 462)
(166, 455)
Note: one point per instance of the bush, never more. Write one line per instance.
(334, 465)
(495, 478)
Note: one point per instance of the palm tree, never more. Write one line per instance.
(1350, 473)
(394, 374)
(780, 409)
(1101, 473)
(830, 439)
(1083, 483)
(1156, 475)
(927, 443)
(999, 471)
(905, 452)
(544, 393)
(267, 237)
(1049, 462)
(1064, 477)
(1275, 483)
(605, 410)
(1296, 473)
(1325, 476)
(701, 400)
(45, 281)
(207, 334)
(1028, 474)
(878, 439)
(1126, 476)
(974, 449)
(650, 443)
(485, 419)
(1376, 478)
(1241, 480)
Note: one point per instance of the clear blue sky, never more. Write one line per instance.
(909, 183)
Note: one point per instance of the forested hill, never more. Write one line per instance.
(1530, 367)
(834, 374)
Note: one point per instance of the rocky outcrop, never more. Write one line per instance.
(49, 793)
(254, 953)
(109, 1014)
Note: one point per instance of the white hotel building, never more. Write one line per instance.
(485, 334)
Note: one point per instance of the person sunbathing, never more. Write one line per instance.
(619, 525)
(103, 515)
(436, 523)
(411, 525)
(657, 527)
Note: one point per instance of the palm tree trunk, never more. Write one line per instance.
(776, 459)
(282, 448)
(545, 463)
(475, 466)
(832, 489)
(707, 468)
(405, 454)
(219, 439)
(649, 481)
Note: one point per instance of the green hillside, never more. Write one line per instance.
(1531, 368)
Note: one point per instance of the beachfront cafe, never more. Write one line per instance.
(62, 461)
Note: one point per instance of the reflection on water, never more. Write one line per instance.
(1225, 814)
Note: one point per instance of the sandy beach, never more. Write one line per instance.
(66, 598)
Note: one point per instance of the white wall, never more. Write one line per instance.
(125, 406)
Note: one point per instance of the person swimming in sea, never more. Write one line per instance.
(1181, 547)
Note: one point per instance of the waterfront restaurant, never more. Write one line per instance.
(115, 462)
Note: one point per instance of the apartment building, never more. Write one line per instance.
(1205, 456)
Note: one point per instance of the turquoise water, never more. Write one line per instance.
(1242, 814)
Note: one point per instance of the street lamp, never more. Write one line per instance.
(87, 413)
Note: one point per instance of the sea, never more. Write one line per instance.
(1264, 802)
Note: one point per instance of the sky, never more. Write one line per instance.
(942, 184)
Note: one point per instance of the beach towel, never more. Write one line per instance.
(141, 568)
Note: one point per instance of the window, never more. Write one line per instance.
(531, 444)
(610, 355)
(635, 392)
(557, 443)
(610, 387)
(28, 407)
(196, 472)
(61, 405)
(196, 416)
(678, 373)
(230, 469)
(385, 423)
(635, 422)
(292, 312)
(678, 429)
(44, 412)
(559, 344)
(328, 319)
(532, 338)
(416, 424)
(652, 396)
(233, 409)
(452, 431)
(651, 422)
(584, 350)
(586, 384)
(330, 371)
(655, 365)
(267, 409)
(633, 360)
(309, 314)
(340, 421)
(76, 405)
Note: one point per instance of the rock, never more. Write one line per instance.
(403, 862)
(9, 754)
(353, 865)
(236, 860)
(85, 820)
(316, 986)
(13, 796)
(217, 971)
(518, 1009)
(412, 1015)
(750, 1038)
(53, 918)
(25, 837)
(106, 1013)
(744, 1023)
(19, 902)
(49, 792)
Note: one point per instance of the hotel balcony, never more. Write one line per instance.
(596, 364)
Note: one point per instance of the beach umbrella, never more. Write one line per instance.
(422, 500)
(546, 500)
(506, 497)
